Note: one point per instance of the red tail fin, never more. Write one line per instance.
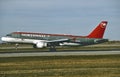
(98, 32)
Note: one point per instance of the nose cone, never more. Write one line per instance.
(4, 39)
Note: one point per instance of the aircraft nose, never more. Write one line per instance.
(3, 38)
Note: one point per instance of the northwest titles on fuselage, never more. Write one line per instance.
(34, 35)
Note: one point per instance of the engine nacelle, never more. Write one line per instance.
(40, 45)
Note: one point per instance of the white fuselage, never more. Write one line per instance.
(19, 40)
(38, 43)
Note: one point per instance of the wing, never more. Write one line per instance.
(57, 42)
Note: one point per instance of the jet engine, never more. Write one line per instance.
(40, 45)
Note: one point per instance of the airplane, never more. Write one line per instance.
(40, 40)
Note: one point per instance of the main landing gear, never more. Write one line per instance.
(52, 49)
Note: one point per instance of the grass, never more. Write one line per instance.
(61, 66)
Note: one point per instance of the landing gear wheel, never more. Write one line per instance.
(52, 49)
(34, 46)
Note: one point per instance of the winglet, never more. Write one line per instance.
(98, 32)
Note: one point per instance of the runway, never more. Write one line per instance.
(63, 53)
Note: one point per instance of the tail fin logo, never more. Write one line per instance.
(103, 25)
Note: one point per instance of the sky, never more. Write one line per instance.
(76, 17)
